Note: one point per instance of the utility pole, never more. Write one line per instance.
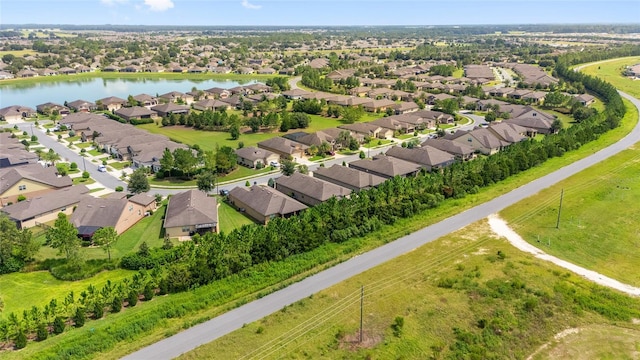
(84, 166)
(559, 209)
(361, 307)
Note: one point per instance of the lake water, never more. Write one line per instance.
(98, 88)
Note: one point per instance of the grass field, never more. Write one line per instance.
(435, 289)
(611, 72)
(21, 291)
(18, 53)
(622, 343)
(208, 140)
(592, 233)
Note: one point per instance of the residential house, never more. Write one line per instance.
(585, 99)
(6, 75)
(518, 94)
(350, 178)
(536, 97)
(29, 180)
(294, 94)
(135, 113)
(50, 108)
(368, 129)
(394, 125)
(508, 132)
(45, 208)
(308, 190)
(13, 152)
(485, 105)
(263, 203)
(211, 104)
(386, 166)
(148, 155)
(405, 107)
(146, 100)
(427, 157)
(111, 103)
(170, 108)
(27, 73)
(460, 151)
(93, 213)
(16, 113)
(378, 105)
(191, 212)
(252, 156)
(284, 147)
(480, 139)
(82, 106)
(177, 97)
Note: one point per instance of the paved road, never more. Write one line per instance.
(206, 332)
(105, 179)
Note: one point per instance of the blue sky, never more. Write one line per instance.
(317, 12)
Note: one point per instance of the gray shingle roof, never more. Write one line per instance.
(191, 207)
(34, 172)
(450, 146)
(424, 155)
(266, 201)
(386, 166)
(253, 153)
(354, 178)
(52, 201)
(312, 187)
(98, 212)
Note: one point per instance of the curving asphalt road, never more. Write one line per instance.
(206, 332)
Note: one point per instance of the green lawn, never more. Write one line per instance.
(95, 152)
(230, 218)
(119, 165)
(611, 72)
(83, 145)
(590, 234)
(377, 142)
(17, 53)
(82, 181)
(21, 291)
(239, 173)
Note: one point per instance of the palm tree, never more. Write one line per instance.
(39, 153)
(51, 156)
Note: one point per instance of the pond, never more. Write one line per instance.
(92, 89)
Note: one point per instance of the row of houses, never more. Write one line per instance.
(123, 141)
(13, 152)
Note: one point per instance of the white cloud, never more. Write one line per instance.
(247, 5)
(113, 2)
(159, 5)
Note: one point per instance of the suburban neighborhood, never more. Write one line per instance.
(199, 172)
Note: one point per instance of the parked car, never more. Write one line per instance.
(274, 164)
(224, 192)
(102, 168)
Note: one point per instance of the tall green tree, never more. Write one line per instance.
(138, 182)
(64, 237)
(185, 161)
(287, 167)
(16, 246)
(167, 162)
(206, 181)
(106, 237)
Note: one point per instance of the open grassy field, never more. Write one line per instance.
(454, 296)
(621, 343)
(18, 53)
(21, 291)
(611, 72)
(592, 232)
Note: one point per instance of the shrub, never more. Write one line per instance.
(149, 292)
(79, 317)
(85, 175)
(34, 138)
(21, 198)
(98, 310)
(73, 166)
(132, 299)
(72, 133)
(397, 326)
(119, 188)
(42, 333)
(116, 304)
(58, 325)
(20, 341)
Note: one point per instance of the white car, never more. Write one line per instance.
(274, 164)
(102, 168)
